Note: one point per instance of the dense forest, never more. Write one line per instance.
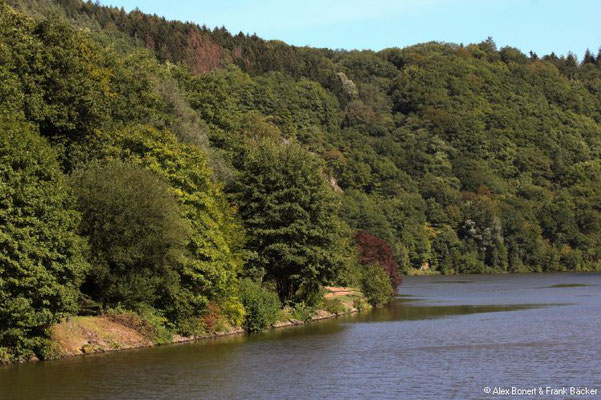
(189, 175)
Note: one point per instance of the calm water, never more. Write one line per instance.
(444, 338)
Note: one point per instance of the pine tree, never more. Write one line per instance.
(588, 57)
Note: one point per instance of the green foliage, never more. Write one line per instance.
(303, 312)
(376, 286)
(360, 303)
(261, 306)
(290, 216)
(137, 238)
(469, 263)
(215, 240)
(145, 320)
(466, 159)
(334, 306)
(41, 258)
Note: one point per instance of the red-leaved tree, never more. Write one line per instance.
(374, 250)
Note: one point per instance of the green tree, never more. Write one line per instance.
(41, 257)
(290, 216)
(137, 238)
(216, 240)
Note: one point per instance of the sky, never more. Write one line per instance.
(543, 26)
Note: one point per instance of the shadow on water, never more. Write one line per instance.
(566, 285)
(399, 311)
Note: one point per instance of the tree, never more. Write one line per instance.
(41, 257)
(589, 58)
(376, 251)
(290, 216)
(216, 240)
(446, 251)
(137, 238)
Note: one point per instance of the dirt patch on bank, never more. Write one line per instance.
(83, 335)
(99, 334)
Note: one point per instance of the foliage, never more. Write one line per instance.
(376, 286)
(215, 240)
(374, 250)
(289, 214)
(137, 238)
(303, 312)
(334, 306)
(458, 158)
(360, 303)
(261, 306)
(145, 320)
(42, 260)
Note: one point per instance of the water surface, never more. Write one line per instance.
(443, 338)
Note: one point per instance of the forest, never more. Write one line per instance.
(190, 175)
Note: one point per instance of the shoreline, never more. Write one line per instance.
(84, 336)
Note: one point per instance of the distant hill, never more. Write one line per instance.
(265, 160)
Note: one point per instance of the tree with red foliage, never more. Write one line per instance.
(374, 250)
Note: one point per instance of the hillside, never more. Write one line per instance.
(153, 165)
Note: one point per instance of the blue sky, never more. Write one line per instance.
(539, 25)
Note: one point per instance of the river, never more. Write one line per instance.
(442, 338)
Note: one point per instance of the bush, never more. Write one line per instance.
(260, 305)
(233, 310)
(359, 303)
(5, 356)
(303, 312)
(376, 285)
(470, 264)
(310, 293)
(334, 306)
(146, 321)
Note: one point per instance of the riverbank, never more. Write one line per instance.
(84, 335)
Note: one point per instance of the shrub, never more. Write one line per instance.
(470, 264)
(233, 310)
(146, 321)
(359, 303)
(334, 306)
(261, 306)
(376, 285)
(303, 312)
(310, 293)
(215, 318)
(5, 355)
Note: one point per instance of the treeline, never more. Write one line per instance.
(190, 182)
(115, 198)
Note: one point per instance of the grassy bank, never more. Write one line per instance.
(83, 335)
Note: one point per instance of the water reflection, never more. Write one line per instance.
(435, 341)
(399, 311)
